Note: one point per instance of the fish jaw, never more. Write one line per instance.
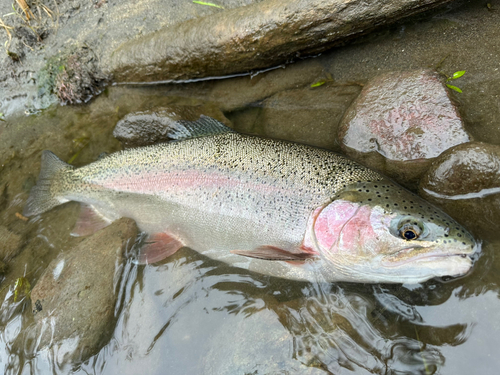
(435, 261)
(357, 242)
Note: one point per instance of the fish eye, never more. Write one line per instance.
(409, 232)
(409, 228)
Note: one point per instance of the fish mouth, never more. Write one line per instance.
(406, 256)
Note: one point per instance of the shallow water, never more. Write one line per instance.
(192, 315)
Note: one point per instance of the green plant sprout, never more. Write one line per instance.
(209, 4)
(328, 78)
(455, 75)
(319, 83)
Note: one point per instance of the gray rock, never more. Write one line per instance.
(10, 243)
(149, 127)
(400, 122)
(257, 36)
(465, 181)
(74, 299)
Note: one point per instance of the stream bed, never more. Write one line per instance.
(189, 314)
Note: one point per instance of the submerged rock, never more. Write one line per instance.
(311, 114)
(74, 299)
(400, 122)
(150, 127)
(255, 331)
(466, 182)
(257, 36)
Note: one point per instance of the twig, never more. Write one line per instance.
(6, 29)
(26, 9)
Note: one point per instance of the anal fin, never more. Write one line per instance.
(276, 253)
(157, 247)
(89, 221)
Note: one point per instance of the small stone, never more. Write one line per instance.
(74, 299)
(465, 180)
(10, 243)
(150, 127)
(400, 122)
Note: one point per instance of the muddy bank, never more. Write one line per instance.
(35, 51)
(67, 51)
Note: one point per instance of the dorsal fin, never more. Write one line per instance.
(184, 129)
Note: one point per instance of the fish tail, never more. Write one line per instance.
(45, 195)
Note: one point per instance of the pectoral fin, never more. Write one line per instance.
(157, 247)
(89, 221)
(275, 253)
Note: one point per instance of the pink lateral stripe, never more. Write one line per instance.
(150, 183)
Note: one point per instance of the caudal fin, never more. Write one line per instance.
(42, 196)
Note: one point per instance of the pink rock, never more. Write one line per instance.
(400, 122)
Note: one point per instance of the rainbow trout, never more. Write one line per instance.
(279, 208)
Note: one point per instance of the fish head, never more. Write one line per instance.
(380, 232)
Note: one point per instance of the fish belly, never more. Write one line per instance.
(211, 231)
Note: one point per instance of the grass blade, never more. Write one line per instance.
(208, 4)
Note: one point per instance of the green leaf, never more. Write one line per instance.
(22, 285)
(454, 88)
(458, 74)
(209, 4)
(319, 83)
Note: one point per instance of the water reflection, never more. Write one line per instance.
(195, 315)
